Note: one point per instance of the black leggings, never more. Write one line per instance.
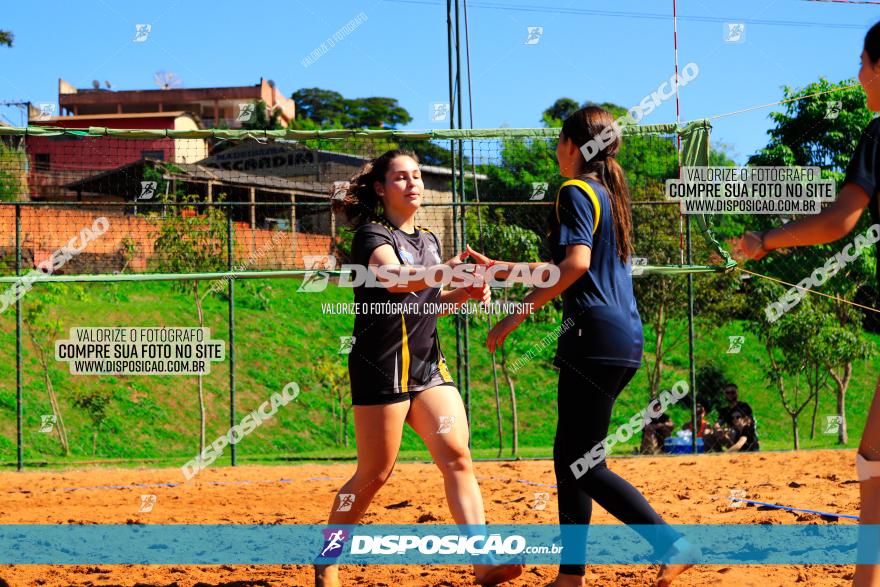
(586, 394)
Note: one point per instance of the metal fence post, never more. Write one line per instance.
(231, 286)
(18, 394)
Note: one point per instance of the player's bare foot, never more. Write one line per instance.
(669, 572)
(327, 576)
(682, 556)
(562, 580)
(495, 574)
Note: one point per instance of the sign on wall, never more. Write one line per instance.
(281, 160)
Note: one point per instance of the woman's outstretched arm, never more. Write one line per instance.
(831, 224)
(576, 263)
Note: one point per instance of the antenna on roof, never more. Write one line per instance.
(96, 84)
(106, 83)
(166, 80)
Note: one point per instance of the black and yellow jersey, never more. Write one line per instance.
(395, 354)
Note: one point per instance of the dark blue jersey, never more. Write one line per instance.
(864, 171)
(603, 322)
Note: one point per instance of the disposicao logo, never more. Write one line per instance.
(334, 541)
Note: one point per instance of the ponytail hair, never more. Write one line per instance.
(359, 200)
(588, 124)
(872, 43)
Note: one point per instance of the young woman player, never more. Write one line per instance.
(859, 191)
(591, 242)
(397, 370)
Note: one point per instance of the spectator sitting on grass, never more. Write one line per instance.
(701, 422)
(744, 433)
(725, 415)
(655, 433)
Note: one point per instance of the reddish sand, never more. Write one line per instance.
(683, 489)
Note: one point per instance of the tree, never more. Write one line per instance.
(323, 108)
(662, 299)
(188, 243)
(821, 131)
(839, 344)
(561, 109)
(814, 344)
(790, 347)
(6, 38)
(13, 173)
(94, 401)
(523, 164)
(262, 119)
(647, 160)
(329, 109)
(44, 327)
(710, 381)
(333, 375)
(319, 109)
(499, 240)
(377, 112)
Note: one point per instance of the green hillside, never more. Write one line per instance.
(155, 418)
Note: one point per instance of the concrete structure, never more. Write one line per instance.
(56, 161)
(211, 105)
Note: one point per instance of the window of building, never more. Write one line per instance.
(41, 161)
(160, 155)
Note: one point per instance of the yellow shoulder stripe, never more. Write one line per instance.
(591, 194)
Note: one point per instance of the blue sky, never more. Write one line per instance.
(600, 51)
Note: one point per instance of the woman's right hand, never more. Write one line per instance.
(751, 246)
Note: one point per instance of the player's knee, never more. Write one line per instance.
(459, 462)
(384, 474)
(375, 475)
(867, 450)
(867, 467)
(587, 475)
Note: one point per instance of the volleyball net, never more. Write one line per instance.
(233, 231)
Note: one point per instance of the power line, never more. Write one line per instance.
(847, 1)
(639, 15)
(786, 101)
(812, 291)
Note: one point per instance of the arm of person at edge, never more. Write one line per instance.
(384, 255)
(571, 268)
(831, 224)
(738, 445)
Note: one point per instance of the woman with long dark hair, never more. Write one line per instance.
(600, 349)
(398, 373)
(859, 191)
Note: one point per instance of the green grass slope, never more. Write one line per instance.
(155, 418)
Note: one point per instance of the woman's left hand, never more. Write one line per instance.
(458, 259)
(479, 258)
(500, 331)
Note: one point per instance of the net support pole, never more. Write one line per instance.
(18, 394)
(690, 260)
(466, 383)
(231, 290)
(691, 362)
(452, 145)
